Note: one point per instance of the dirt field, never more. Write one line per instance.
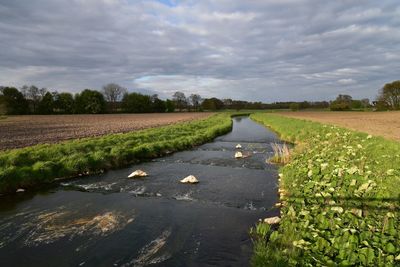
(21, 131)
(386, 124)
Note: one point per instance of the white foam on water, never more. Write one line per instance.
(185, 197)
(147, 255)
(250, 206)
(48, 226)
(92, 186)
(138, 191)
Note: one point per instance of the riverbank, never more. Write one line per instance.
(42, 164)
(340, 199)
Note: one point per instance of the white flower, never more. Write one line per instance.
(338, 209)
(390, 172)
(309, 174)
(369, 136)
(352, 170)
(323, 166)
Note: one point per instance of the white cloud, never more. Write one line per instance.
(346, 81)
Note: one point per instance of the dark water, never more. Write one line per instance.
(109, 220)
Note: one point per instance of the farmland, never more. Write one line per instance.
(386, 124)
(22, 131)
(339, 196)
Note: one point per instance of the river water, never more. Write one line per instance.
(110, 220)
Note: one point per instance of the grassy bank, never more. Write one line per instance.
(36, 165)
(340, 195)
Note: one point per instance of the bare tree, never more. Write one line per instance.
(180, 100)
(195, 100)
(113, 93)
(390, 94)
(42, 92)
(24, 90)
(34, 94)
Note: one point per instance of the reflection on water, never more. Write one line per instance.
(110, 220)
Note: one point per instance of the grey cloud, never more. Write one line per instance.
(253, 50)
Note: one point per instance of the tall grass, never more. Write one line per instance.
(33, 166)
(342, 199)
(281, 153)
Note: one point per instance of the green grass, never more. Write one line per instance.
(341, 198)
(41, 164)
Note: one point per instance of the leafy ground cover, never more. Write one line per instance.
(41, 164)
(340, 199)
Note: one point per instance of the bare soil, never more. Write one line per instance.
(22, 131)
(386, 124)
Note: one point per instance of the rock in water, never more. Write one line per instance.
(137, 173)
(238, 146)
(272, 220)
(189, 180)
(238, 155)
(20, 190)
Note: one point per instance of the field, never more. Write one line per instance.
(386, 124)
(339, 196)
(40, 164)
(22, 131)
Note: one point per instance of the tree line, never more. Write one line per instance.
(114, 98)
(388, 99)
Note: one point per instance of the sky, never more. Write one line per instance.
(265, 50)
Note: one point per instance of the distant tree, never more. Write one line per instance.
(34, 95)
(212, 104)
(46, 104)
(365, 103)
(195, 100)
(170, 106)
(90, 102)
(136, 103)
(157, 105)
(64, 103)
(294, 106)
(356, 104)
(42, 92)
(304, 105)
(390, 94)
(24, 90)
(113, 93)
(14, 101)
(238, 105)
(380, 104)
(180, 100)
(342, 102)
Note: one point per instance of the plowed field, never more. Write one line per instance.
(22, 131)
(386, 124)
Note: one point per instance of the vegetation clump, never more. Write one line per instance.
(281, 153)
(35, 165)
(340, 199)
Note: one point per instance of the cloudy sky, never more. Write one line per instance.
(266, 50)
